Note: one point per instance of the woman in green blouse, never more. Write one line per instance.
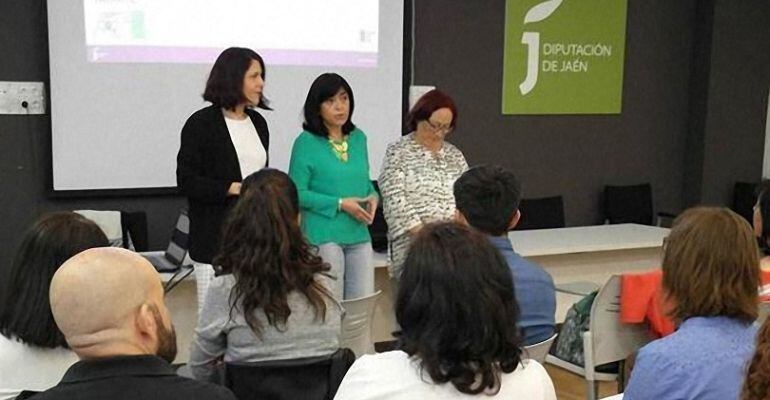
(330, 166)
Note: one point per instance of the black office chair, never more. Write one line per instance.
(632, 204)
(744, 198)
(628, 204)
(312, 378)
(379, 228)
(541, 213)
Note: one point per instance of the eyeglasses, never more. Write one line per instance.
(438, 127)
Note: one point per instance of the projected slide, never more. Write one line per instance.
(287, 32)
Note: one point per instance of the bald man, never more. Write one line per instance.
(109, 304)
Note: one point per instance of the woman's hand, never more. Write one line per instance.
(371, 205)
(352, 206)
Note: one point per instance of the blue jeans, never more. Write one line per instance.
(353, 267)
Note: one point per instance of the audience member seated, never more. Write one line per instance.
(457, 312)
(109, 304)
(33, 351)
(487, 199)
(757, 384)
(272, 299)
(710, 277)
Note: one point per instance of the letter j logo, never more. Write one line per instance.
(532, 40)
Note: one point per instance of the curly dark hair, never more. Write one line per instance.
(25, 312)
(757, 384)
(457, 309)
(264, 249)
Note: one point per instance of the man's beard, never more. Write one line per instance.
(166, 338)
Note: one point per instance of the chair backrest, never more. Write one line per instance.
(541, 213)
(378, 230)
(177, 245)
(612, 339)
(357, 324)
(744, 198)
(628, 204)
(539, 351)
(311, 378)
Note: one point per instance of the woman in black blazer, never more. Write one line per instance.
(220, 145)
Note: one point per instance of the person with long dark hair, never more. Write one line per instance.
(457, 311)
(33, 350)
(272, 299)
(221, 144)
(330, 166)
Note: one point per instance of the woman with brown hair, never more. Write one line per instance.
(272, 298)
(710, 277)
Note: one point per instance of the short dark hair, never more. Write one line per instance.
(25, 312)
(467, 339)
(224, 87)
(427, 105)
(488, 197)
(324, 87)
(716, 248)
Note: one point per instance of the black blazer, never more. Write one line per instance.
(206, 165)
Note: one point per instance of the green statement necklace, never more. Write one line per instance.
(340, 149)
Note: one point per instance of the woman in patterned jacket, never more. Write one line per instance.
(418, 173)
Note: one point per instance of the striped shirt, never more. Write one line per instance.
(416, 186)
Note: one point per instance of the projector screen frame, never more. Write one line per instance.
(53, 193)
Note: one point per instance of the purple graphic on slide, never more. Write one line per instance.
(190, 55)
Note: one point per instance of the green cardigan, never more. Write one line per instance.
(322, 179)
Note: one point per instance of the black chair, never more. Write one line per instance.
(312, 378)
(628, 204)
(541, 213)
(744, 198)
(632, 204)
(379, 228)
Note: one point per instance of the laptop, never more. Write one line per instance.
(174, 256)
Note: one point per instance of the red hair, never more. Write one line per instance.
(427, 105)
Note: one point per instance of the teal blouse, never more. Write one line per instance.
(322, 179)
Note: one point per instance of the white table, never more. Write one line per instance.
(590, 253)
